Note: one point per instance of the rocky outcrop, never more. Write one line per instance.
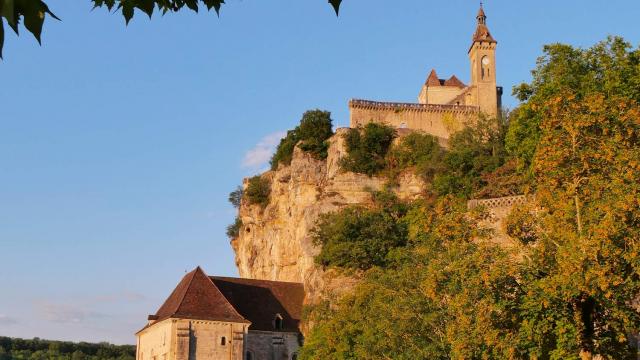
(275, 243)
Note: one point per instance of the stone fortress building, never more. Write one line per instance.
(444, 106)
(219, 318)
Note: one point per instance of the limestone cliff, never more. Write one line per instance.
(275, 243)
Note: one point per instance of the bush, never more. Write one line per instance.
(233, 230)
(360, 238)
(521, 224)
(258, 191)
(473, 151)
(418, 150)
(367, 148)
(311, 135)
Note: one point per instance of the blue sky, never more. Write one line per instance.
(119, 145)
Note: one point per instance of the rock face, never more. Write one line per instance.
(275, 242)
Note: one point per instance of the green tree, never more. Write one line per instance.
(445, 296)
(233, 230)
(310, 135)
(609, 67)
(258, 191)
(235, 197)
(367, 148)
(360, 238)
(33, 12)
(584, 270)
(420, 151)
(476, 150)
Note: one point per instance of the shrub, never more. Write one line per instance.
(311, 135)
(521, 224)
(360, 238)
(235, 197)
(367, 148)
(258, 191)
(473, 151)
(418, 150)
(233, 230)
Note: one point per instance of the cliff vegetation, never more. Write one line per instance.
(397, 266)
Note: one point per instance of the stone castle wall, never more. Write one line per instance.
(437, 120)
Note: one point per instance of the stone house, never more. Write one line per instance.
(221, 318)
(444, 106)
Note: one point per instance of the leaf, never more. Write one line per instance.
(1, 36)
(9, 13)
(336, 5)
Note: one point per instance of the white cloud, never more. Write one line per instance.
(7, 320)
(260, 155)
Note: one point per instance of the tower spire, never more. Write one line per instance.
(482, 18)
(482, 33)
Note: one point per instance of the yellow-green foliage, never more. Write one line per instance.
(443, 297)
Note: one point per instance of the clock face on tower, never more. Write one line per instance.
(485, 60)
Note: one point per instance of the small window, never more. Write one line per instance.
(249, 355)
(294, 357)
(278, 322)
(223, 341)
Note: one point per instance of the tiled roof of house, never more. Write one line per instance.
(196, 297)
(260, 301)
(454, 81)
(257, 302)
(432, 79)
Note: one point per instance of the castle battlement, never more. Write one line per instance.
(444, 106)
(384, 105)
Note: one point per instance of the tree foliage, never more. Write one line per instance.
(569, 291)
(358, 237)
(367, 148)
(444, 296)
(609, 67)
(311, 136)
(39, 349)
(258, 191)
(33, 12)
(233, 230)
(476, 150)
(420, 151)
(235, 197)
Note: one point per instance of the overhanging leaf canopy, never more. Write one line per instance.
(33, 12)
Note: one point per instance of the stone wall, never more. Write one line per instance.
(155, 342)
(185, 339)
(267, 345)
(437, 120)
(499, 209)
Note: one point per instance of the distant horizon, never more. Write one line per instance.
(120, 144)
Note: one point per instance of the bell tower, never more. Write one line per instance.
(482, 56)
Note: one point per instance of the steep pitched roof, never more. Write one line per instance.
(454, 81)
(482, 33)
(433, 80)
(196, 297)
(260, 300)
